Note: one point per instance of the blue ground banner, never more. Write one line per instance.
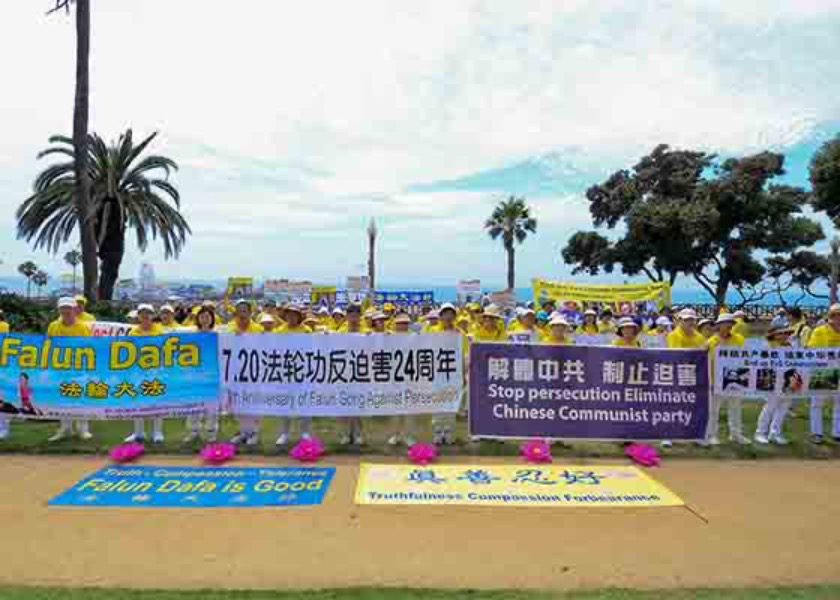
(195, 487)
(574, 392)
(108, 377)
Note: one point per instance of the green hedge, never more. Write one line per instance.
(32, 316)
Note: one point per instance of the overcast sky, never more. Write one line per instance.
(295, 122)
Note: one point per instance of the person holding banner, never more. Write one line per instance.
(524, 329)
(205, 322)
(337, 319)
(627, 331)
(243, 325)
(353, 435)
(431, 322)
(443, 425)
(81, 305)
(147, 327)
(403, 425)
(725, 338)
(685, 335)
(378, 321)
(269, 323)
(771, 420)
(491, 326)
(67, 325)
(558, 332)
(606, 325)
(590, 323)
(825, 336)
(167, 318)
(294, 316)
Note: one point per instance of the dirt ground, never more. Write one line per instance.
(769, 523)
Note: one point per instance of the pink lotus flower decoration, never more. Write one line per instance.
(536, 451)
(218, 453)
(644, 454)
(126, 452)
(422, 454)
(307, 450)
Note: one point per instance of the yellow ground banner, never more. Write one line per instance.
(511, 485)
(581, 292)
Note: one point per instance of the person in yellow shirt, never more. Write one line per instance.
(403, 426)
(146, 326)
(67, 325)
(378, 321)
(269, 323)
(524, 329)
(734, 410)
(706, 328)
(825, 336)
(491, 326)
(337, 319)
(443, 425)
(772, 417)
(205, 322)
(627, 331)
(294, 324)
(242, 324)
(558, 332)
(167, 318)
(607, 323)
(685, 335)
(741, 326)
(432, 322)
(4, 326)
(83, 315)
(590, 323)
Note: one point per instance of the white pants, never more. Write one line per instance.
(405, 426)
(734, 415)
(816, 415)
(4, 425)
(211, 422)
(66, 425)
(772, 417)
(140, 427)
(286, 425)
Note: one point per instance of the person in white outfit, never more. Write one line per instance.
(725, 338)
(772, 418)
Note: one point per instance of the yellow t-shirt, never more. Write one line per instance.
(233, 327)
(588, 330)
(296, 329)
(59, 329)
(679, 339)
(566, 341)
(155, 329)
(824, 336)
(741, 327)
(733, 340)
(482, 334)
(604, 327)
(620, 342)
(4, 327)
(86, 317)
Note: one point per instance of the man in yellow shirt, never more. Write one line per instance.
(337, 319)
(825, 336)
(628, 334)
(67, 325)
(294, 316)
(146, 326)
(606, 325)
(685, 335)
(734, 411)
(167, 318)
(4, 326)
(242, 324)
(741, 326)
(432, 322)
(83, 316)
(443, 425)
(268, 323)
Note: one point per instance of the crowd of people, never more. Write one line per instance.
(474, 322)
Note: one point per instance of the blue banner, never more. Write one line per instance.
(192, 487)
(108, 377)
(573, 392)
(407, 298)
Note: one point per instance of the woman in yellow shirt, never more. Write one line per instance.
(590, 323)
(294, 324)
(627, 331)
(491, 326)
(725, 338)
(68, 324)
(146, 327)
(241, 324)
(205, 322)
(558, 332)
(772, 417)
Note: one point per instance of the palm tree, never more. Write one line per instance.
(511, 220)
(40, 279)
(82, 199)
(28, 270)
(372, 233)
(73, 258)
(125, 193)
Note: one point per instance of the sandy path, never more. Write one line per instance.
(770, 523)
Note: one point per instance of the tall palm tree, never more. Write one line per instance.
(28, 270)
(512, 221)
(40, 280)
(73, 258)
(125, 193)
(82, 200)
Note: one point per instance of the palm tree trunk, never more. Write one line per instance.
(111, 262)
(74, 278)
(87, 234)
(511, 268)
(28, 288)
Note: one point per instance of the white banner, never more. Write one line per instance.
(468, 290)
(606, 339)
(755, 372)
(103, 328)
(341, 375)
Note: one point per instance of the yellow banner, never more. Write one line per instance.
(659, 292)
(509, 485)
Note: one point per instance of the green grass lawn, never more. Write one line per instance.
(807, 593)
(31, 437)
